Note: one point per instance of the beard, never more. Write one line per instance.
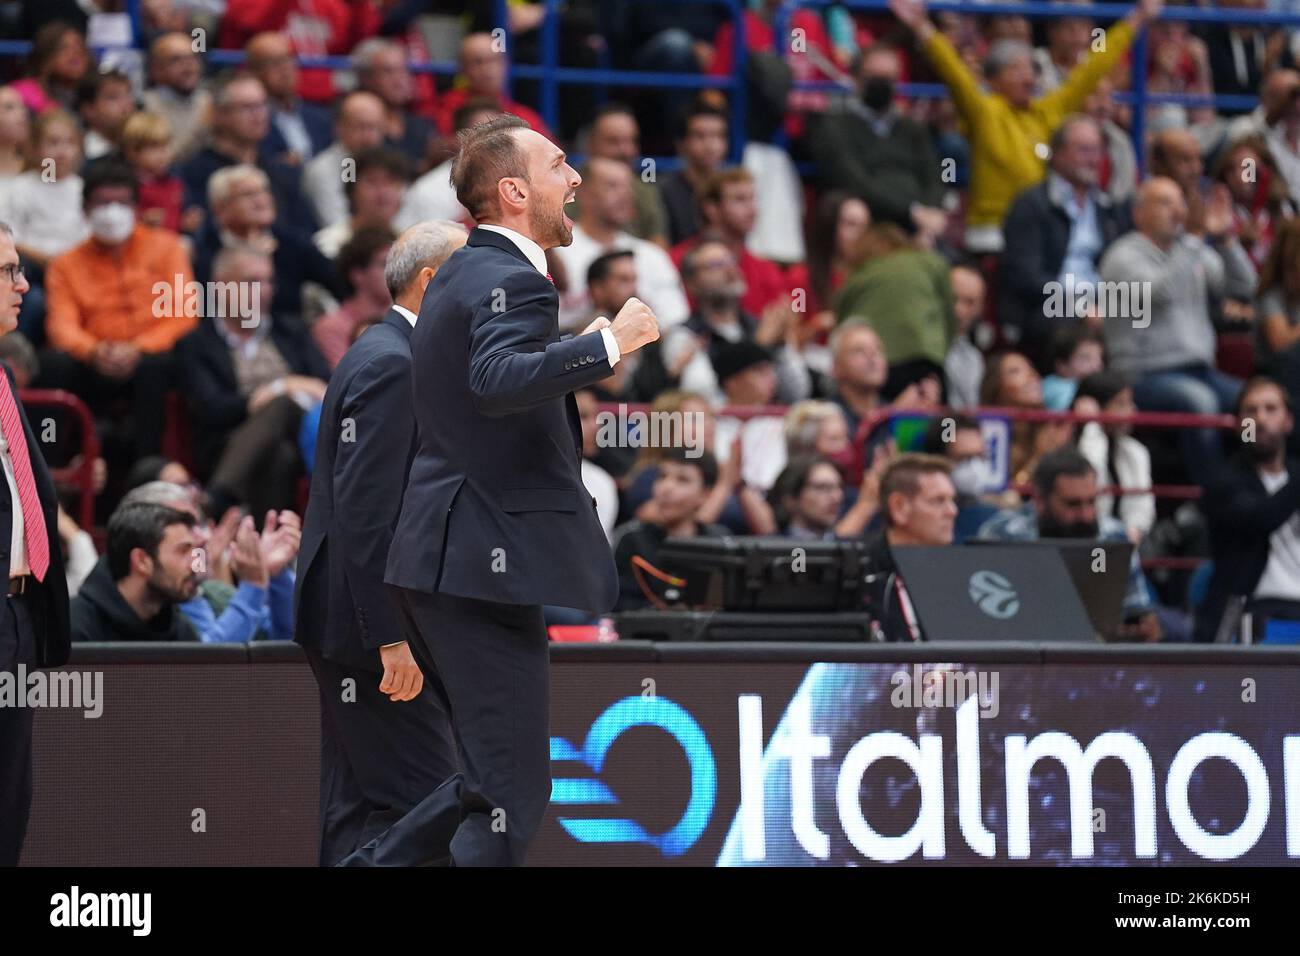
(548, 227)
(174, 592)
(1050, 527)
(1264, 448)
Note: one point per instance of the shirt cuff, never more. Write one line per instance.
(611, 347)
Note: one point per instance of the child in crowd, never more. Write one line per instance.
(147, 146)
(44, 207)
(1119, 459)
(1077, 352)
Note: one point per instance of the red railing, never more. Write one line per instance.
(83, 474)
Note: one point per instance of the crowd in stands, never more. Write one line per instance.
(1002, 246)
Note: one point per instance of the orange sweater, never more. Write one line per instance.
(95, 295)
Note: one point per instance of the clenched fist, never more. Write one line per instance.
(634, 326)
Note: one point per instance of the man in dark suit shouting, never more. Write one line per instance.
(385, 742)
(34, 627)
(495, 521)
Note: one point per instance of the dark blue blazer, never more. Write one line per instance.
(363, 452)
(48, 600)
(495, 508)
(319, 126)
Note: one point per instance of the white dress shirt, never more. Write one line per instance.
(534, 254)
(406, 314)
(17, 540)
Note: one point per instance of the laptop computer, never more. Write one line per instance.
(1101, 584)
(1010, 593)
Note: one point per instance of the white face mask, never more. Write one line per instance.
(112, 223)
(971, 476)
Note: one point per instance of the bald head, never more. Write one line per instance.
(271, 59)
(1159, 210)
(483, 64)
(174, 64)
(360, 122)
(1277, 94)
(1176, 153)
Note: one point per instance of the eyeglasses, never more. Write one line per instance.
(13, 271)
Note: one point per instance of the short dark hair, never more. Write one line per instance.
(613, 108)
(688, 266)
(704, 461)
(1263, 381)
(693, 112)
(1101, 387)
(903, 475)
(139, 526)
(466, 111)
(145, 470)
(378, 157)
(92, 83)
(791, 481)
(600, 266)
(932, 442)
(357, 252)
(108, 173)
(1067, 339)
(488, 154)
(1067, 462)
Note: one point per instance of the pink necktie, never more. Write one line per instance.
(34, 533)
(549, 279)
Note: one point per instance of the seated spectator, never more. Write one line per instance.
(57, 62)
(316, 28)
(859, 370)
(729, 207)
(374, 197)
(148, 571)
(748, 378)
(1012, 382)
(483, 76)
(360, 266)
(243, 216)
(1167, 349)
(808, 500)
(606, 215)
(358, 126)
(174, 93)
(104, 101)
(1253, 509)
(835, 233)
(240, 124)
(681, 485)
(615, 135)
(1056, 233)
(689, 352)
(818, 428)
(299, 130)
(730, 501)
(919, 507)
(963, 368)
(432, 195)
(260, 606)
(873, 150)
(382, 70)
(1119, 459)
(1261, 204)
(1277, 334)
(1077, 351)
(1007, 124)
(1119, 168)
(611, 281)
(702, 147)
(1177, 64)
(598, 482)
(110, 330)
(157, 468)
(146, 147)
(15, 140)
(248, 385)
(1065, 506)
(45, 205)
(960, 439)
(904, 294)
(1176, 155)
(1281, 125)
(1068, 42)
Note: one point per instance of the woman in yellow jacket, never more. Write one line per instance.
(1007, 127)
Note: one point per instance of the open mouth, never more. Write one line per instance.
(568, 202)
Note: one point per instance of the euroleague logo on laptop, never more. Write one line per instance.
(994, 595)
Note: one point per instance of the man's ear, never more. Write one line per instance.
(140, 561)
(510, 192)
(426, 276)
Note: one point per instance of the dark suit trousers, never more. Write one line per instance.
(490, 664)
(260, 463)
(17, 646)
(378, 758)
